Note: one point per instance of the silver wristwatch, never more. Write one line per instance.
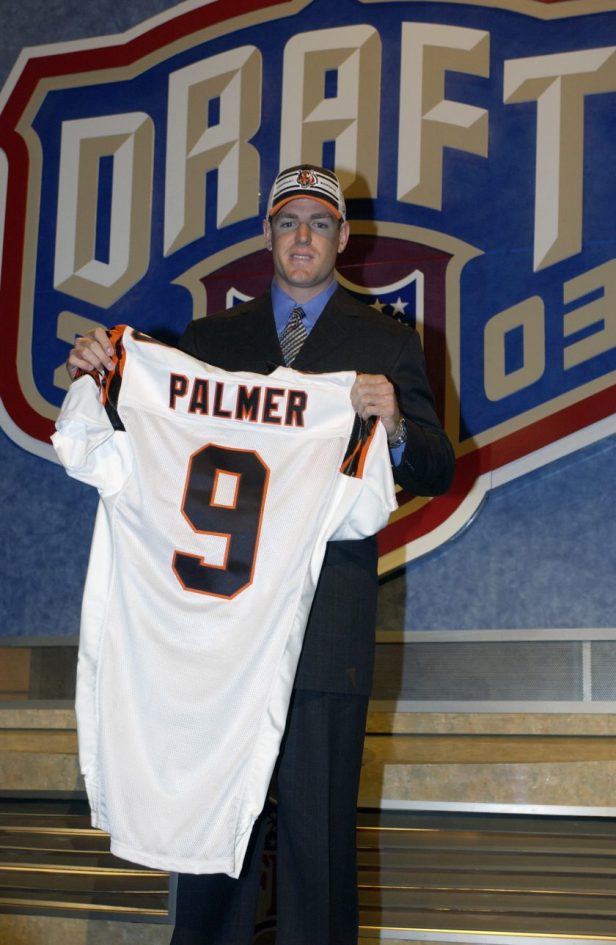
(399, 436)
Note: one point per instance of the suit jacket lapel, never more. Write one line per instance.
(333, 327)
(256, 333)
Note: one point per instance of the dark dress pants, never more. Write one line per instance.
(317, 783)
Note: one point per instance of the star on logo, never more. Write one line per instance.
(398, 306)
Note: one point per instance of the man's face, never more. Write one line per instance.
(305, 239)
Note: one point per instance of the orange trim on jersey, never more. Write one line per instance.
(359, 445)
(113, 377)
(349, 458)
(365, 447)
(93, 374)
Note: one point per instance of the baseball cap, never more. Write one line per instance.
(307, 180)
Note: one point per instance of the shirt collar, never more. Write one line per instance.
(283, 305)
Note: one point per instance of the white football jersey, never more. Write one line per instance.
(218, 494)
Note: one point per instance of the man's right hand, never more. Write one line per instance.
(92, 352)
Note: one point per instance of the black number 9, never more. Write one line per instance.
(224, 497)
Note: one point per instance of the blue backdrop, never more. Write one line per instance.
(539, 553)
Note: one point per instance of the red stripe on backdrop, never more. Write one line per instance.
(490, 457)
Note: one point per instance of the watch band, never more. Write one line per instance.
(399, 436)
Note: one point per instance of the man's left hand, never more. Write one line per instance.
(372, 395)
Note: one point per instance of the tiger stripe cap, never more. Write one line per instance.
(307, 180)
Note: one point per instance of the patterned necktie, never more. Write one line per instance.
(293, 335)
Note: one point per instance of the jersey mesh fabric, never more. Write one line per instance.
(188, 646)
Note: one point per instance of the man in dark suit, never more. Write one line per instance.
(317, 775)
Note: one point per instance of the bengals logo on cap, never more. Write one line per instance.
(307, 178)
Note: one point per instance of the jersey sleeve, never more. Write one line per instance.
(85, 440)
(365, 493)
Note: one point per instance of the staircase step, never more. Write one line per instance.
(423, 877)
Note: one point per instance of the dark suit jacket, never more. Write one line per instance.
(339, 645)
